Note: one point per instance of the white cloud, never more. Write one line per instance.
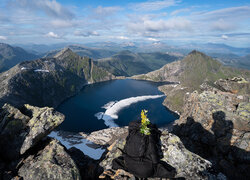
(86, 34)
(122, 37)
(50, 7)
(106, 11)
(241, 12)
(174, 24)
(152, 39)
(52, 35)
(58, 23)
(153, 5)
(222, 25)
(178, 11)
(3, 38)
(225, 37)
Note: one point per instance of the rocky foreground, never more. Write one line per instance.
(209, 141)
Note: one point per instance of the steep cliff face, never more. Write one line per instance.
(189, 74)
(215, 125)
(49, 81)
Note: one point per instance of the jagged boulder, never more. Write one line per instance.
(215, 125)
(51, 161)
(187, 164)
(237, 85)
(22, 129)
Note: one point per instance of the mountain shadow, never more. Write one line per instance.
(215, 145)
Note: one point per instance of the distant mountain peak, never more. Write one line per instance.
(196, 52)
(125, 52)
(64, 53)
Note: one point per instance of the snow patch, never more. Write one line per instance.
(99, 115)
(113, 108)
(80, 143)
(109, 104)
(23, 68)
(41, 70)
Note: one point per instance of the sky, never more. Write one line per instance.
(84, 21)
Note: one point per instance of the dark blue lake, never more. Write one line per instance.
(123, 100)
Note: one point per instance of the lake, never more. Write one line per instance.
(114, 103)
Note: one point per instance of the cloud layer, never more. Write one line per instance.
(51, 21)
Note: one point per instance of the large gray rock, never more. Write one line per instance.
(21, 130)
(215, 125)
(51, 162)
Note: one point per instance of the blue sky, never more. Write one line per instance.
(83, 21)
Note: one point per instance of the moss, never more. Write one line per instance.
(174, 140)
(72, 89)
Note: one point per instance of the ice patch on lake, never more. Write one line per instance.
(113, 108)
(109, 104)
(80, 143)
(99, 115)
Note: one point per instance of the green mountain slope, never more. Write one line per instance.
(49, 81)
(126, 63)
(190, 73)
(10, 56)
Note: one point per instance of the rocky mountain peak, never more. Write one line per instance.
(197, 54)
(66, 52)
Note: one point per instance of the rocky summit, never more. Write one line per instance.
(27, 152)
(49, 81)
(215, 125)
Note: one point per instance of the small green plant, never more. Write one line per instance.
(144, 123)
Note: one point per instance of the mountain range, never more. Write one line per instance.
(127, 63)
(228, 55)
(10, 56)
(93, 53)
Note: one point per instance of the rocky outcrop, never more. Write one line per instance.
(235, 85)
(51, 162)
(19, 131)
(26, 152)
(49, 81)
(107, 136)
(215, 125)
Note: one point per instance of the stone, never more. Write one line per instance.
(215, 125)
(50, 162)
(22, 129)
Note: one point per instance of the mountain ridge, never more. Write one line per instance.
(48, 81)
(128, 63)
